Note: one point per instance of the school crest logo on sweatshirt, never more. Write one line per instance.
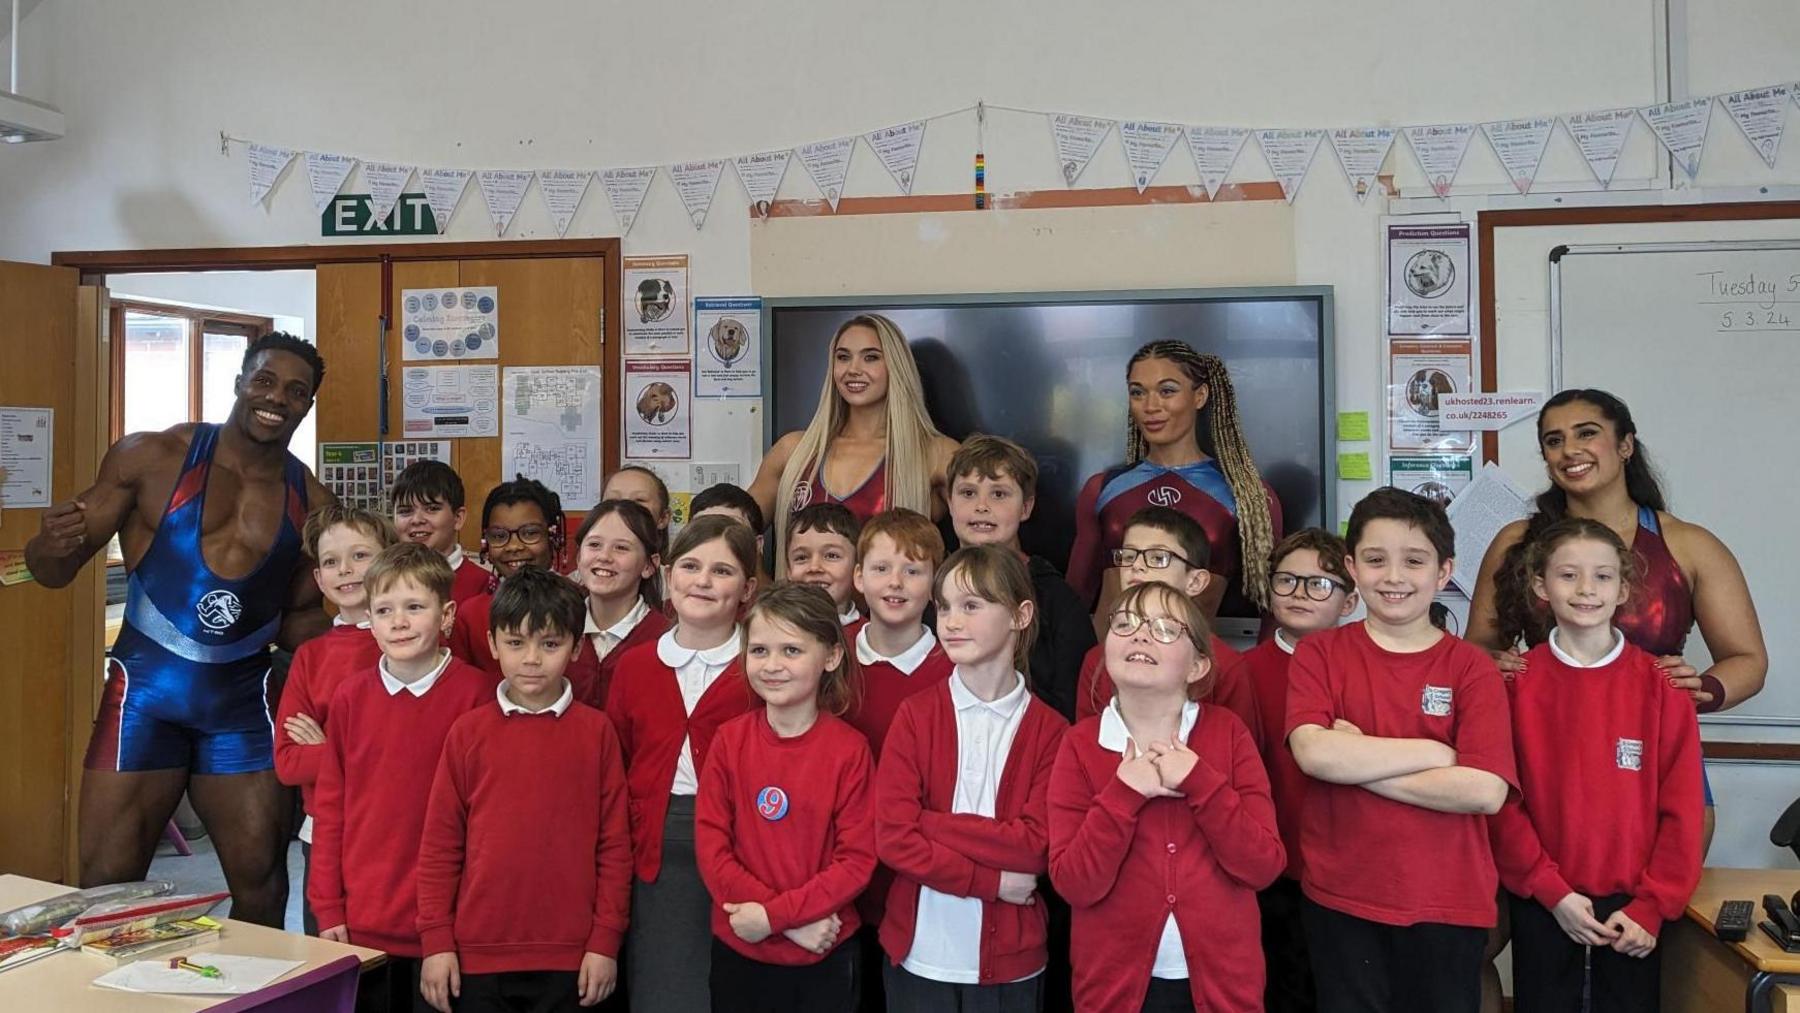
(771, 803)
(1434, 701)
(1629, 754)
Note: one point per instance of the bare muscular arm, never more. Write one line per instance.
(768, 476)
(304, 616)
(1725, 613)
(72, 531)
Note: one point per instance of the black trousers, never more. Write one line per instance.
(1289, 987)
(392, 988)
(1554, 974)
(308, 923)
(1169, 995)
(519, 992)
(1059, 974)
(742, 985)
(1367, 967)
(909, 993)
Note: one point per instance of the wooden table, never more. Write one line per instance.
(1701, 974)
(64, 982)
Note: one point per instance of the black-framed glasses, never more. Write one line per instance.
(1163, 630)
(1155, 559)
(1287, 585)
(527, 534)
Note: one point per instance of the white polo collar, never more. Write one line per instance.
(417, 687)
(1005, 707)
(557, 709)
(1281, 641)
(620, 629)
(455, 556)
(849, 615)
(338, 620)
(1568, 659)
(907, 661)
(676, 656)
(1113, 734)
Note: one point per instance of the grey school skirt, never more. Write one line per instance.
(669, 948)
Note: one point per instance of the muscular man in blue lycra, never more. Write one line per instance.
(209, 518)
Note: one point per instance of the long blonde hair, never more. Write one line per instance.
(910, 434)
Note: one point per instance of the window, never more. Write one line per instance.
(173, 364)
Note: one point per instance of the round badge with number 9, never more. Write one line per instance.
(771, 803)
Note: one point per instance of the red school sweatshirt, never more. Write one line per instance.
(645, 705)
(1265, 669)
(469, 634)
(471, 579)
(963, 854)
(319, 667)
(786, 823)
(371, 795)
(1125, 863)
(496, 886)
(1609, 776)
(592, 675)
(1229, 689)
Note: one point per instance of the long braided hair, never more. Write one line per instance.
(1519, 619)
(1220, 436)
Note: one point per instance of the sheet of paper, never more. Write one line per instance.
(657, 408)
(237, 975)
(1601, 137)
(562, 190)
(27, 452)
(1440, 149)
(1760, 113)
(1289, 154)
(551, 429)
(1147, 146)
(447, 402)
(352, 471)
(1428, 279)
(696, 183)
(326, 173)
(898, 149)
(1419, 372)
(444, 190)
(828, 163)
(1519, 144)
(396, 456)
(503, 190)
(1488, 503)
(1355, 466)
(385, 180)
(1681, 127)
(266, 166)
(12, 568)
(1489, 411)
(1361, 151)
(625, 190)
(449, 323)
(761, 176)
(728, 360)
(1437, 478)
(656, 311)
(1077, 138)
(1215, 151)
(1353, 427)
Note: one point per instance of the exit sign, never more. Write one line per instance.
(353, 214)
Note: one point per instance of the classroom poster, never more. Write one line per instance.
(1419, 372)
(1601, 137)
(352, 471)
(1147, 146)
(1428, 279)
(27, 441)
(450, 323)
(1681, 127)
(1437, 478)
(1361, 152)
(1440, 149)
(396, 456)
(503, 190)
(657, 408)
(1760, 113)
(656, 312)
(1215, 151)
(696, 183)
(444, 190)
(828, 163)
(1520, 144)
(444, 402)
(1077, 138)
(1289, 154)
(551, 429)
(761, 176)
(562, 190)
(625, 190)
(728, 359)
(898, 149)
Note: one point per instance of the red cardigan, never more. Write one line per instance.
(926, 844)
(592, 675)
(645, 705)
(1124, 863)
(319, 667)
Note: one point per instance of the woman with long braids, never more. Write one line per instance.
(1184, 448)
(871, 437)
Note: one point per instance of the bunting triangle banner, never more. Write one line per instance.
(504, 190)
(1077, 138)
(828, 163)
(1760, 113)
(266, 166)
(1519, 144)
(1215, 151)
(1681, 127)
(625, 190)
(562, 190)
(1361, 152)
(1601, 137)
(1289, 154)
(1440, 149)
(444, 191)
(898, 149)
(696, 183)
(761, 175)
(1147, 146)
(386, 180)
(326, 173)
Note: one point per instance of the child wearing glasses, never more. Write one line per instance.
(1165, 545)
(1161, 825)
(1310, 591)
(521, 525)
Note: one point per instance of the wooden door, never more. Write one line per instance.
(52, 355)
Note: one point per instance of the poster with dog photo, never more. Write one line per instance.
(656, 306)
(728, 352)
(659, 418)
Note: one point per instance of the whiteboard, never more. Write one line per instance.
(1702, 340)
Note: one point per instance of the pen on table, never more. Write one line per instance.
(184, 964)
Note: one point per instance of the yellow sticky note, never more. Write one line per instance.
(13, 569)
(1353, 426)
(679, 505)
(1343, 529)
(1352, 467)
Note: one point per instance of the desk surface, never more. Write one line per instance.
(1720, 885)
(63, 982)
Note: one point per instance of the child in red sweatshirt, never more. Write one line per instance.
(782, 831)
(429, 507)
(960, 794)
(525, 868)
(342, 542)
(388, 725)
(521, 525)
(616, 563)
(1603, 846)
(1161, 826)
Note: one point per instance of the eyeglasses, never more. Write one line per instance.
(1289, 585)
(1163, 630)
(529, 534)
(1155, 559)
